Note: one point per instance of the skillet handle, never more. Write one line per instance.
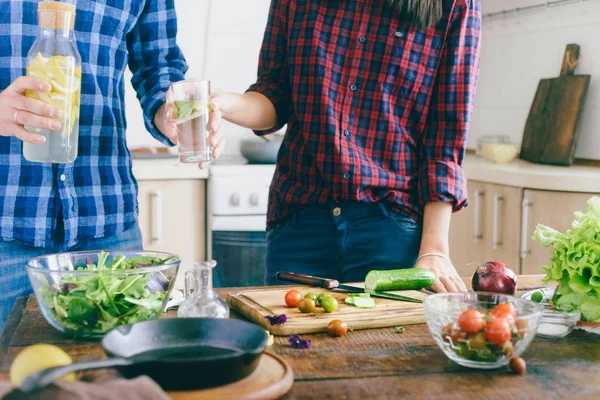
(41, 379)
(307, 280)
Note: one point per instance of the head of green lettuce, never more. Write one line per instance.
(575, 262)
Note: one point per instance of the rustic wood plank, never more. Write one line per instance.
(571, 383)
(379, 363)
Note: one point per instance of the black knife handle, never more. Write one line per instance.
(307, 280)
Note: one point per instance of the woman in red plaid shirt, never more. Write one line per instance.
(377, 96)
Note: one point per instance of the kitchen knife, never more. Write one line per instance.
(332, 284)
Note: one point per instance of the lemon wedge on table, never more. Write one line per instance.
(36, 358)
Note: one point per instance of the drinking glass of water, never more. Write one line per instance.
(191, 110)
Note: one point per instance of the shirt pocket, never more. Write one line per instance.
(413, 58)
(111, 19)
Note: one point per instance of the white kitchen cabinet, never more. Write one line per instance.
(487, 229)
(468, 231)
(503, 206)
(172, 218)
(498, 225)
(554, 209)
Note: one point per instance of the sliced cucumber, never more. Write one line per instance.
(349, 301)
(364, 302)
(399, 279)
(359, 295)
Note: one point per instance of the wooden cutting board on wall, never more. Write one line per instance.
(553, 125)
(256, 304)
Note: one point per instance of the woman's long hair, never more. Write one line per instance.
(419, 13)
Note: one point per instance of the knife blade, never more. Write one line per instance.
(333, 284)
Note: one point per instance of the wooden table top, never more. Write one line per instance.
(376, 363)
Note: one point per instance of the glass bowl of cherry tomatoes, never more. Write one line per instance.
(479, 329)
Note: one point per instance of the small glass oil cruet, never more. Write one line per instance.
(202, 302)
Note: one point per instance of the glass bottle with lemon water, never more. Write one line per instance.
(54, 59)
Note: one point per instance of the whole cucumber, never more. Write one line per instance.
(399, 279)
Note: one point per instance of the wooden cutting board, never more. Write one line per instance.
(256, 304)
(553, 125)
(272, 379)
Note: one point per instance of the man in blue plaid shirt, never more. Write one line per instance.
(91, 204)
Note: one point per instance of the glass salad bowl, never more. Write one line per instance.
(481, 330)
(86, 294)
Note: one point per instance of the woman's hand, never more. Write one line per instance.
(16, 110)
(448, 279)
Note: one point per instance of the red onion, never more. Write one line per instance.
(495, 277)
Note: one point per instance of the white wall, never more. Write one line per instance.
(221, 41)
(519, 50)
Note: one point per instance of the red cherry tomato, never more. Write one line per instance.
(504, 309)
(497, 331)
(470, 321)
(292, 298)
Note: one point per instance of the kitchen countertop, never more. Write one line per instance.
(375, 363)
(517, 173)
(161, 168)
(523, 174)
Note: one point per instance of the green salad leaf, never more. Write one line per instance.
(93, 304)
(575, 262)
(187, 110)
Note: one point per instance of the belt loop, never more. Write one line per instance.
(384, 209)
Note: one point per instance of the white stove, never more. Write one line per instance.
(237, 201)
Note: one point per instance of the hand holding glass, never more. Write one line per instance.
(191, 111)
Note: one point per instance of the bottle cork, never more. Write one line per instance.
(56, 15)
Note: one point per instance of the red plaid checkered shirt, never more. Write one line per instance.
(376, 110)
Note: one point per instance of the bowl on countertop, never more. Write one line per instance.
(554, 323)
(83, 299)
(497, 148)
(490, 346)
(261, 151)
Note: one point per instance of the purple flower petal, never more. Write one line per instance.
(277, 319)
(297, 342)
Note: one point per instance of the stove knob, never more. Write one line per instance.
(254, 200)
(235, 200)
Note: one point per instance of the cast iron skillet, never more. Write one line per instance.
(178, 354)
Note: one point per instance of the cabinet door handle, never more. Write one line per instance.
(496, 214)
(525, 205)
(477, 215)
(157, 218)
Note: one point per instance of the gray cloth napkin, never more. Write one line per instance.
(141, 388)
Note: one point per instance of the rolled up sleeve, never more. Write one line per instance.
(155, 59)
(273, 71)
(443, 144)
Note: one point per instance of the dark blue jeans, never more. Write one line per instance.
(342, 242)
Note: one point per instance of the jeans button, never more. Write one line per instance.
(353, 88)
(337, 212)
(347, 176)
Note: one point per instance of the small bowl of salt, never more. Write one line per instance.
(554, 323)
(557, 324)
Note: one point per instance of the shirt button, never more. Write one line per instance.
(347, 175)
(399, 34)
(362, 39)
(353, 88)
(337, 212)
(63, 177)
(346, 133)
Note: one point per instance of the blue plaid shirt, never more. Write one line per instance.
(97, 194)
